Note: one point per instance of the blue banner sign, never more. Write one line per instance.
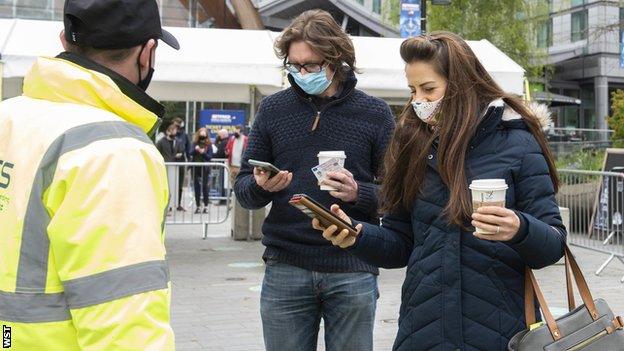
(216, 120)
(410, 18)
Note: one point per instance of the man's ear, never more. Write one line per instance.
(63, 40)
(146, 54)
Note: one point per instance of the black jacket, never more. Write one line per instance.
(170, 148)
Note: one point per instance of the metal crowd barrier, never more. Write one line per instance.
(200, 194)
(596, 202)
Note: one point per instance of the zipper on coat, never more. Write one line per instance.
(316, 120)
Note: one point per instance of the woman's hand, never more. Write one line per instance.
(503, 223)
(341, 239)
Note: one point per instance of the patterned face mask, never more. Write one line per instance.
(426, 110)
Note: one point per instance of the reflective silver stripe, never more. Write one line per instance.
(116, 283)
(33, 260)
(83, 292)
(33, 308)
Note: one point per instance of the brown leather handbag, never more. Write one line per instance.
(589, 327)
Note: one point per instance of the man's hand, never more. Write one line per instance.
(278, 182)
(343, 181)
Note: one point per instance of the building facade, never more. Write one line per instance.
(173, 12)
(358, 17)
(583, 39)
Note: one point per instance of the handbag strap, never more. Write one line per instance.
(569, 287)
(536, 291)
(532, 290)
(581, 284)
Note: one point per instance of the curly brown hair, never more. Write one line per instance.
(319, 30)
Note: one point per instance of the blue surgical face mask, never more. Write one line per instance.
(313, 83)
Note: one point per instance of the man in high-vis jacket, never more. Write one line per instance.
(83, 191)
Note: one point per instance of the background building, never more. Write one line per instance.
(174, 13)
(358, 17)
(583, 41)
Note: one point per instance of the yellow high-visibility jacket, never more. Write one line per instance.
(83, 194)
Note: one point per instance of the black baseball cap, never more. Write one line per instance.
(114, 24)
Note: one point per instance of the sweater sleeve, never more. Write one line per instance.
(248, 193)
(387, 246)
(368, 193)
(541, 240)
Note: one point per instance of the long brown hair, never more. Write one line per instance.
(318, 29)
(197, 134)
(469, 90)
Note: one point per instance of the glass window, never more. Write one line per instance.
(377, 6)
(579, 25)
(574, 3)
(550, 32)
(34, 9)
(571, 114)
(544, 37)
(621, 22)
(174, 14)
(6, 8)
(361, 2)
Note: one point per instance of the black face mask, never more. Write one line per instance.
(145, 82)
(236, 135)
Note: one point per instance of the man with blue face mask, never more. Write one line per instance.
(307, 279)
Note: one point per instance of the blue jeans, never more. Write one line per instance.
(294, 300)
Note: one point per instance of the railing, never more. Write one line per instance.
(199, 194)
(595, 201)
(564, 141)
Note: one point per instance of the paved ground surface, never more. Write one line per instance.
(217, 281)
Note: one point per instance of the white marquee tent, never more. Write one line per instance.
(225, 65)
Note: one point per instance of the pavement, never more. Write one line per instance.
(216, 290)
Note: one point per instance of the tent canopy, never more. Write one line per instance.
(222, 65)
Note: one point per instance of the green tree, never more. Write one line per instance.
(616, 120)
(511, 25)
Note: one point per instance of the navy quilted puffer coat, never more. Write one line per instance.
(460, 292)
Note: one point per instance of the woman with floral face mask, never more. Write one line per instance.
(463, 290)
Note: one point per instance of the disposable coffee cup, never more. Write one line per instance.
(325, 156)
(488, 192)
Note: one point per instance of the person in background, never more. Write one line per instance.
(201, 152)
(237, 144)
(183, 139)
(171, 150)
(221, 142)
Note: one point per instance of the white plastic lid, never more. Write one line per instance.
(488, 184)
(332, 154)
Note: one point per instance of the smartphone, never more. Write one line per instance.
(313, 209)
(265, 166)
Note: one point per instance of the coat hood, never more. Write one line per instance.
(73, 79)
(539, 110)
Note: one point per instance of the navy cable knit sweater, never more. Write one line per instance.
(282, 134)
